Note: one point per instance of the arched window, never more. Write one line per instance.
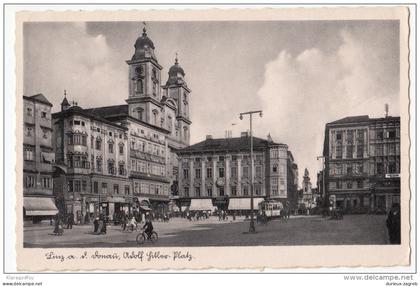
(140, 85)
(155, 116)
(185, 133)
(138, 113)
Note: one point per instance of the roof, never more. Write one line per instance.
(84, 112)
(107, 111)
(228, 144)
(352, 119)
(39, 97)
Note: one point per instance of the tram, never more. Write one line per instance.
(272, 209)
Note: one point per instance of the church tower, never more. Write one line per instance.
(144, 101)
(176, 89)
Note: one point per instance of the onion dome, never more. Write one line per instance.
(144, 47)
(176, 74)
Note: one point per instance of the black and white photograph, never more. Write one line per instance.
(148, 133)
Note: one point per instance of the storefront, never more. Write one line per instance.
(36, 209)
(221, 203)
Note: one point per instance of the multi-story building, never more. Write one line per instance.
(38, 200)
(292, 181)
(153, 125)
(362, 162)
(216, 173)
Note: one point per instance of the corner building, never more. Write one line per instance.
(215, 173)
(152, 125)
(362, 161)
(38, 159)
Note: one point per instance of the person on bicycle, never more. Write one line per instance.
(148, 227)
(133, 223)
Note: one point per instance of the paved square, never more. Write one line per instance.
(311, 230)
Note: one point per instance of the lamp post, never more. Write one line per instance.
(251, 224)
(324, 193)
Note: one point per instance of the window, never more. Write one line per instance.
(275, 166)
(121, 169)
(104, 188)
(274, 153)
(95, 187)
(233, 172)
(233, 190)
(391, 134)
(91, 141)
(234, 157)
(116, 189)
(338, 136)
(349, 185)
(98, 144)
(209, 192)
(274, 186)
(338, 185)
(28, 131)
(359, 168)
(258, 190)
(350, 136)
(349, 151)
(359, 151)
(84, 186)
(111, 148)
(379, 168)
(83, 123)
(121, 148)
(70, 186)
(126, 190)
(392, 168)
(245, 172)
(360, 184)
(186, 174)
(99, 164)
(258, 171)
(46, 183)
(197, 191)
(77, 186)
(187, 191)
(222, 158)
(111, 168)
(379, 135)
(360, 135)
(209, 173)
(43, 114)
(245, 191)
(29, 154)
(349, 170)
(29, 111)
(339, 151)
(221, 191)
(221, 172)
(30, 182)
(198, 173)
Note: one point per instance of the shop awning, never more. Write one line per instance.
(243, 203)
(201, 205)
(36, 206)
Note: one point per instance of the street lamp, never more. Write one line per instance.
(324, 193)
(251, 224)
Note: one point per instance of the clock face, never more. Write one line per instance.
(139, 70)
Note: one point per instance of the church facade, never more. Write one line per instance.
(128, 150)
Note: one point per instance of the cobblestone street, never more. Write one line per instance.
(312, 230)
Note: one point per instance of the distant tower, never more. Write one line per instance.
(144, 93)
(177, 89)
(65, 103)
(306, 182)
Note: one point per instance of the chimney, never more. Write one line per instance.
(228, 134)
(244, 134)
(209, 137)
(386, 109)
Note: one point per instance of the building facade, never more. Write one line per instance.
(147, 130)
(216, 173)
(362, 163)
(38, 157)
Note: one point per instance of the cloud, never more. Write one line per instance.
(81, 63)
(301, 93)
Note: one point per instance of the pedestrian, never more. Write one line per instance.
(57, 224)
(234, 215)
(393, 223)
(70, 221)
(103, 229)
(96, 225)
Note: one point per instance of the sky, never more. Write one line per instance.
(302, 74)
